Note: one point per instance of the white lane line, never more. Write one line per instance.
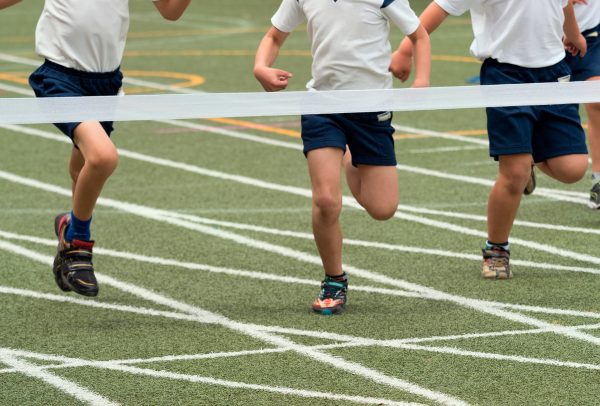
(442, 135)
(70, 388)
(107, 365)
(347, 201)
(286, 279)
(385, 246)
(442, 149)
(277, 329)
(475, 217)
(250, 330)
(350, 341)
(165, 216)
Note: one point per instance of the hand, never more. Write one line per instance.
(401, 65)
(420, 83)
(272, 79)
(579, 46)
(580, 2)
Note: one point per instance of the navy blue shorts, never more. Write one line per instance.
(589, 66)
(542, 131)
(368, 135)
(53, 80)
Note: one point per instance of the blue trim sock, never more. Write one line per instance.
(490, 245)
(595, 178)
(78, 229)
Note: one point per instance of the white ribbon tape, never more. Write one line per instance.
(188, 106)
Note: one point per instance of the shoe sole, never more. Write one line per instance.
(493, 275)
(329, 311)
(58, 278)
(593, 206)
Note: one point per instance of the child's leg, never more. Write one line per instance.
(75, 165)
(99, 161)
(593, 111)
(324, 169)
(567, 168)
(374, 187)
(513, 174)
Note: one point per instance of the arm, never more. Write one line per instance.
(171, 9)
(422, 46)
(7, 3)
(270, 78)
(401, 64)
(575, 43)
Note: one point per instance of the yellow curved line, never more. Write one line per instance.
(15, 77)
(189, 79)
(257, 126)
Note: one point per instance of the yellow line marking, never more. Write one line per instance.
(190, 80)
(257, 126)
(16, 77)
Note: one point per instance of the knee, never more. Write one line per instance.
(516, 179)
(327, 206)
(383, 211)
(575, 172)
(103, 162)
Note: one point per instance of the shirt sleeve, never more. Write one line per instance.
(400, 13)
(288, 16)
(455, 7)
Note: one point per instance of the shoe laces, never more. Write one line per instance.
(331, 289)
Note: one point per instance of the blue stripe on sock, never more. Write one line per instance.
(79, 229)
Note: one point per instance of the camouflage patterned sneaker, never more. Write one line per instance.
(531, 184)
(496, 264)
(73, 268)
(594, 202)
(332, 298)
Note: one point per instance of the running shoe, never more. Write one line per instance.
(332, 298)
(73, 268)
(496, 263)
(531, 184)
(594, 202)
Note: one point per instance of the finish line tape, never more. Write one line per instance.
(261, 104)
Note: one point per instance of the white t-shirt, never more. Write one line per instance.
(87, 35)
(588, 15)
(349, 39)
(526, 33)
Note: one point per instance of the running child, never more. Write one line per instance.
(519, 41)
(82, 43)
(587, 13)
(351, 51)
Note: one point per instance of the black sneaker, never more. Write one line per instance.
(73, 268)
(332, 298)
(531, 183)
(496, 263)
(594, 202)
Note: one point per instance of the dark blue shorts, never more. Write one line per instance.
(368, 135)
(542, 131)
(589, 66)
(53, 80)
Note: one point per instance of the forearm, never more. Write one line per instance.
(570, 27)
(422, 51)
(431, 18)
(7, 3)
(268, 49)
(171, 9)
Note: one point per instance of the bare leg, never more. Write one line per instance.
(100, 160)
(75, 165)
(374, 187)
(325, 174)
(566, 168)
(503, 203)
(593, 111)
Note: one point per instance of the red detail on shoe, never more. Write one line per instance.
(86, 245)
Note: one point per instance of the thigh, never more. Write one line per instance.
(558, 132)
(370, 138)
(322, 131)
(325, 167)
(92, 141)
